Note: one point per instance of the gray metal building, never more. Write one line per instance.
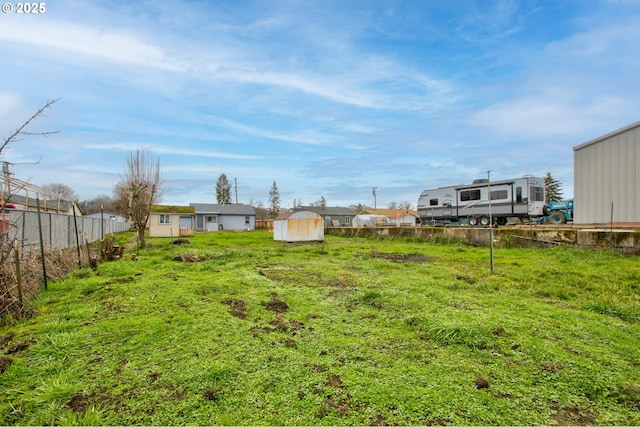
(607, 179)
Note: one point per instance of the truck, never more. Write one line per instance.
(558, 212)
(481, 200)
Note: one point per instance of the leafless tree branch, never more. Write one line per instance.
(21, 130)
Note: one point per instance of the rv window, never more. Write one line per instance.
(469, 195)
(518, 194)
(537, 194)
(433, 202)
(499, 194)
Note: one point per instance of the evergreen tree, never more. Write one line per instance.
(274, 200)
(223, 190)
(553, 189)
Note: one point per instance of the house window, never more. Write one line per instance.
(212, 218)
(165, 219)
(469, 195)
(246, 220)
(433, 202)
(347, 220)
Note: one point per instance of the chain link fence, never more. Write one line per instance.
(36, 247)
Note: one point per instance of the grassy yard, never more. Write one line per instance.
(235, 328)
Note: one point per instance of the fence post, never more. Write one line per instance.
(75, 227)
(16, 253)
(44, 267)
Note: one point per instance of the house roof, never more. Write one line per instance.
(226, 209)
(49, 204)
(329, 210)
(173, 209)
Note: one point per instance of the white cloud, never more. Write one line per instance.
(74, 39)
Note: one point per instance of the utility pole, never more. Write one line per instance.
(235, 180)
(374, 197)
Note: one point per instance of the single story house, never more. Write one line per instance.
(171, 221)
(404, 216)
(368, 220)
(298, 226)
(218, 217)
(110, 216)
(332, 216)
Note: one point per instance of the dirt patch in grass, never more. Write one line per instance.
(552, 367)
(189, 258)
(121, 281)
(5, 362)
(292, 276)
(275, 305)
(469, 280)
(399, 257)
(78, 403)
(181, 242)
(17, 347)
(572, 416)
(238, 307)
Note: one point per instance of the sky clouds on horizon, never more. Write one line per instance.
(327, 98)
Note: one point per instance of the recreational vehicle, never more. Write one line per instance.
(513, 198)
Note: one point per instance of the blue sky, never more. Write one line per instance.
(328, 98)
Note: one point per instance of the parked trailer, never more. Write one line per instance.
(513, 198)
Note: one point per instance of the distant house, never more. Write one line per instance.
(404, 216)
(218, 217)
(369, 220)
(171, 221)
(332, 216)
(110, 216)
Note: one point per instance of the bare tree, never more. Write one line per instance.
(139, 188)
(401, 205)
(15, 136)
(60, 190)
(100, 202)
(8, 303)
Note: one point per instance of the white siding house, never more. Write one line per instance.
(218, 217)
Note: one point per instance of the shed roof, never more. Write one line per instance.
(223, 209)
(298, 215)
(606, 136)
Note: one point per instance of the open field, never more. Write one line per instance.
(235, 328)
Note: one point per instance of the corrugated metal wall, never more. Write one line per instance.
(58, 230)
(606, 172)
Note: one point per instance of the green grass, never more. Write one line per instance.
(347, 332)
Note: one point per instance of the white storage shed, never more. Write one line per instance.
(298, 226)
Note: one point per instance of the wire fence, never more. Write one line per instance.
(39, 246)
